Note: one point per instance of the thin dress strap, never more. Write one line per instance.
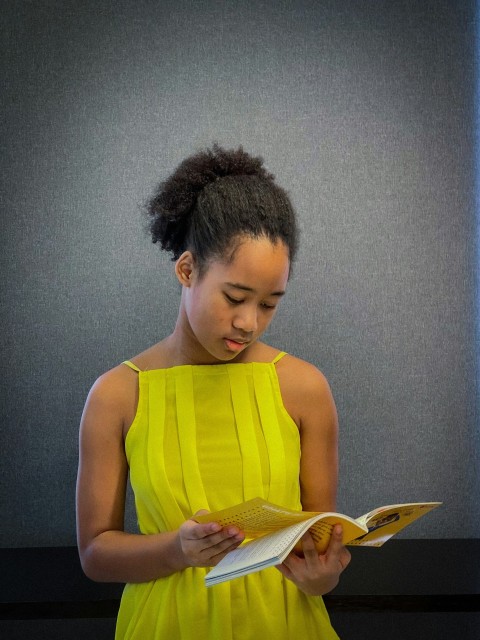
(279, 356)
(131, 365)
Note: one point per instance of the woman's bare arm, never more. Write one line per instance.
(308, 399)
(108, 553)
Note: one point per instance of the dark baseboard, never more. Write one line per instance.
(403, 576)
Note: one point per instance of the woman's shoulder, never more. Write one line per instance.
(118, 387)
(301, 375)
(293, 370)
(121, 381)
(303, 387)
(112, 387)
(113, 397)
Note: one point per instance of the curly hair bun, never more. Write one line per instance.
(214, 196)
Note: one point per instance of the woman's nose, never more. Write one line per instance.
(246, 320)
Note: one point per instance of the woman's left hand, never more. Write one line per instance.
(316, 574)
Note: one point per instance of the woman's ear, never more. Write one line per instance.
(184, 268)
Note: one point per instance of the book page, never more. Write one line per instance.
(256, 517)
(257, 554)
(385, 522)
(321, 530)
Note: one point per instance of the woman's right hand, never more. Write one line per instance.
(204, 545)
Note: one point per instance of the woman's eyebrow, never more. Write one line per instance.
(243, 287)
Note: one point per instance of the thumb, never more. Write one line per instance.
(336, 541)
(206, 527)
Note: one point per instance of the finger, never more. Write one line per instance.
(310, 552)
(196, 531)
(222, 542)
(292, 562)
(214, 552)
(336, 551)
(217, 553)
(336, 541)
(232, 536)
(284, 570)
(345, 558)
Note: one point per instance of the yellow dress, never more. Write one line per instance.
(207, 437)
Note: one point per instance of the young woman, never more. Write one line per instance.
(209, 417)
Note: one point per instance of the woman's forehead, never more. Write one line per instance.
(255, 261)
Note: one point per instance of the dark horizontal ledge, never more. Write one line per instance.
(369, 603)
(58, 610)
(404, 576)
(405, 603)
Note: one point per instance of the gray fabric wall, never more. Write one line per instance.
(363, 110)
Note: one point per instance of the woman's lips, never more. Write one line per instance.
(234, 345)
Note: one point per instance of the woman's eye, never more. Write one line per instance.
(232, 300)
(268, 306)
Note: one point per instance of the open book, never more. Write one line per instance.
(272, 532)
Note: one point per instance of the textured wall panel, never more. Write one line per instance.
(364, 111)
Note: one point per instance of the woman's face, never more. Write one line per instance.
(232, 304)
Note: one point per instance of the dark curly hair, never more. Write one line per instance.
(214, 198)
